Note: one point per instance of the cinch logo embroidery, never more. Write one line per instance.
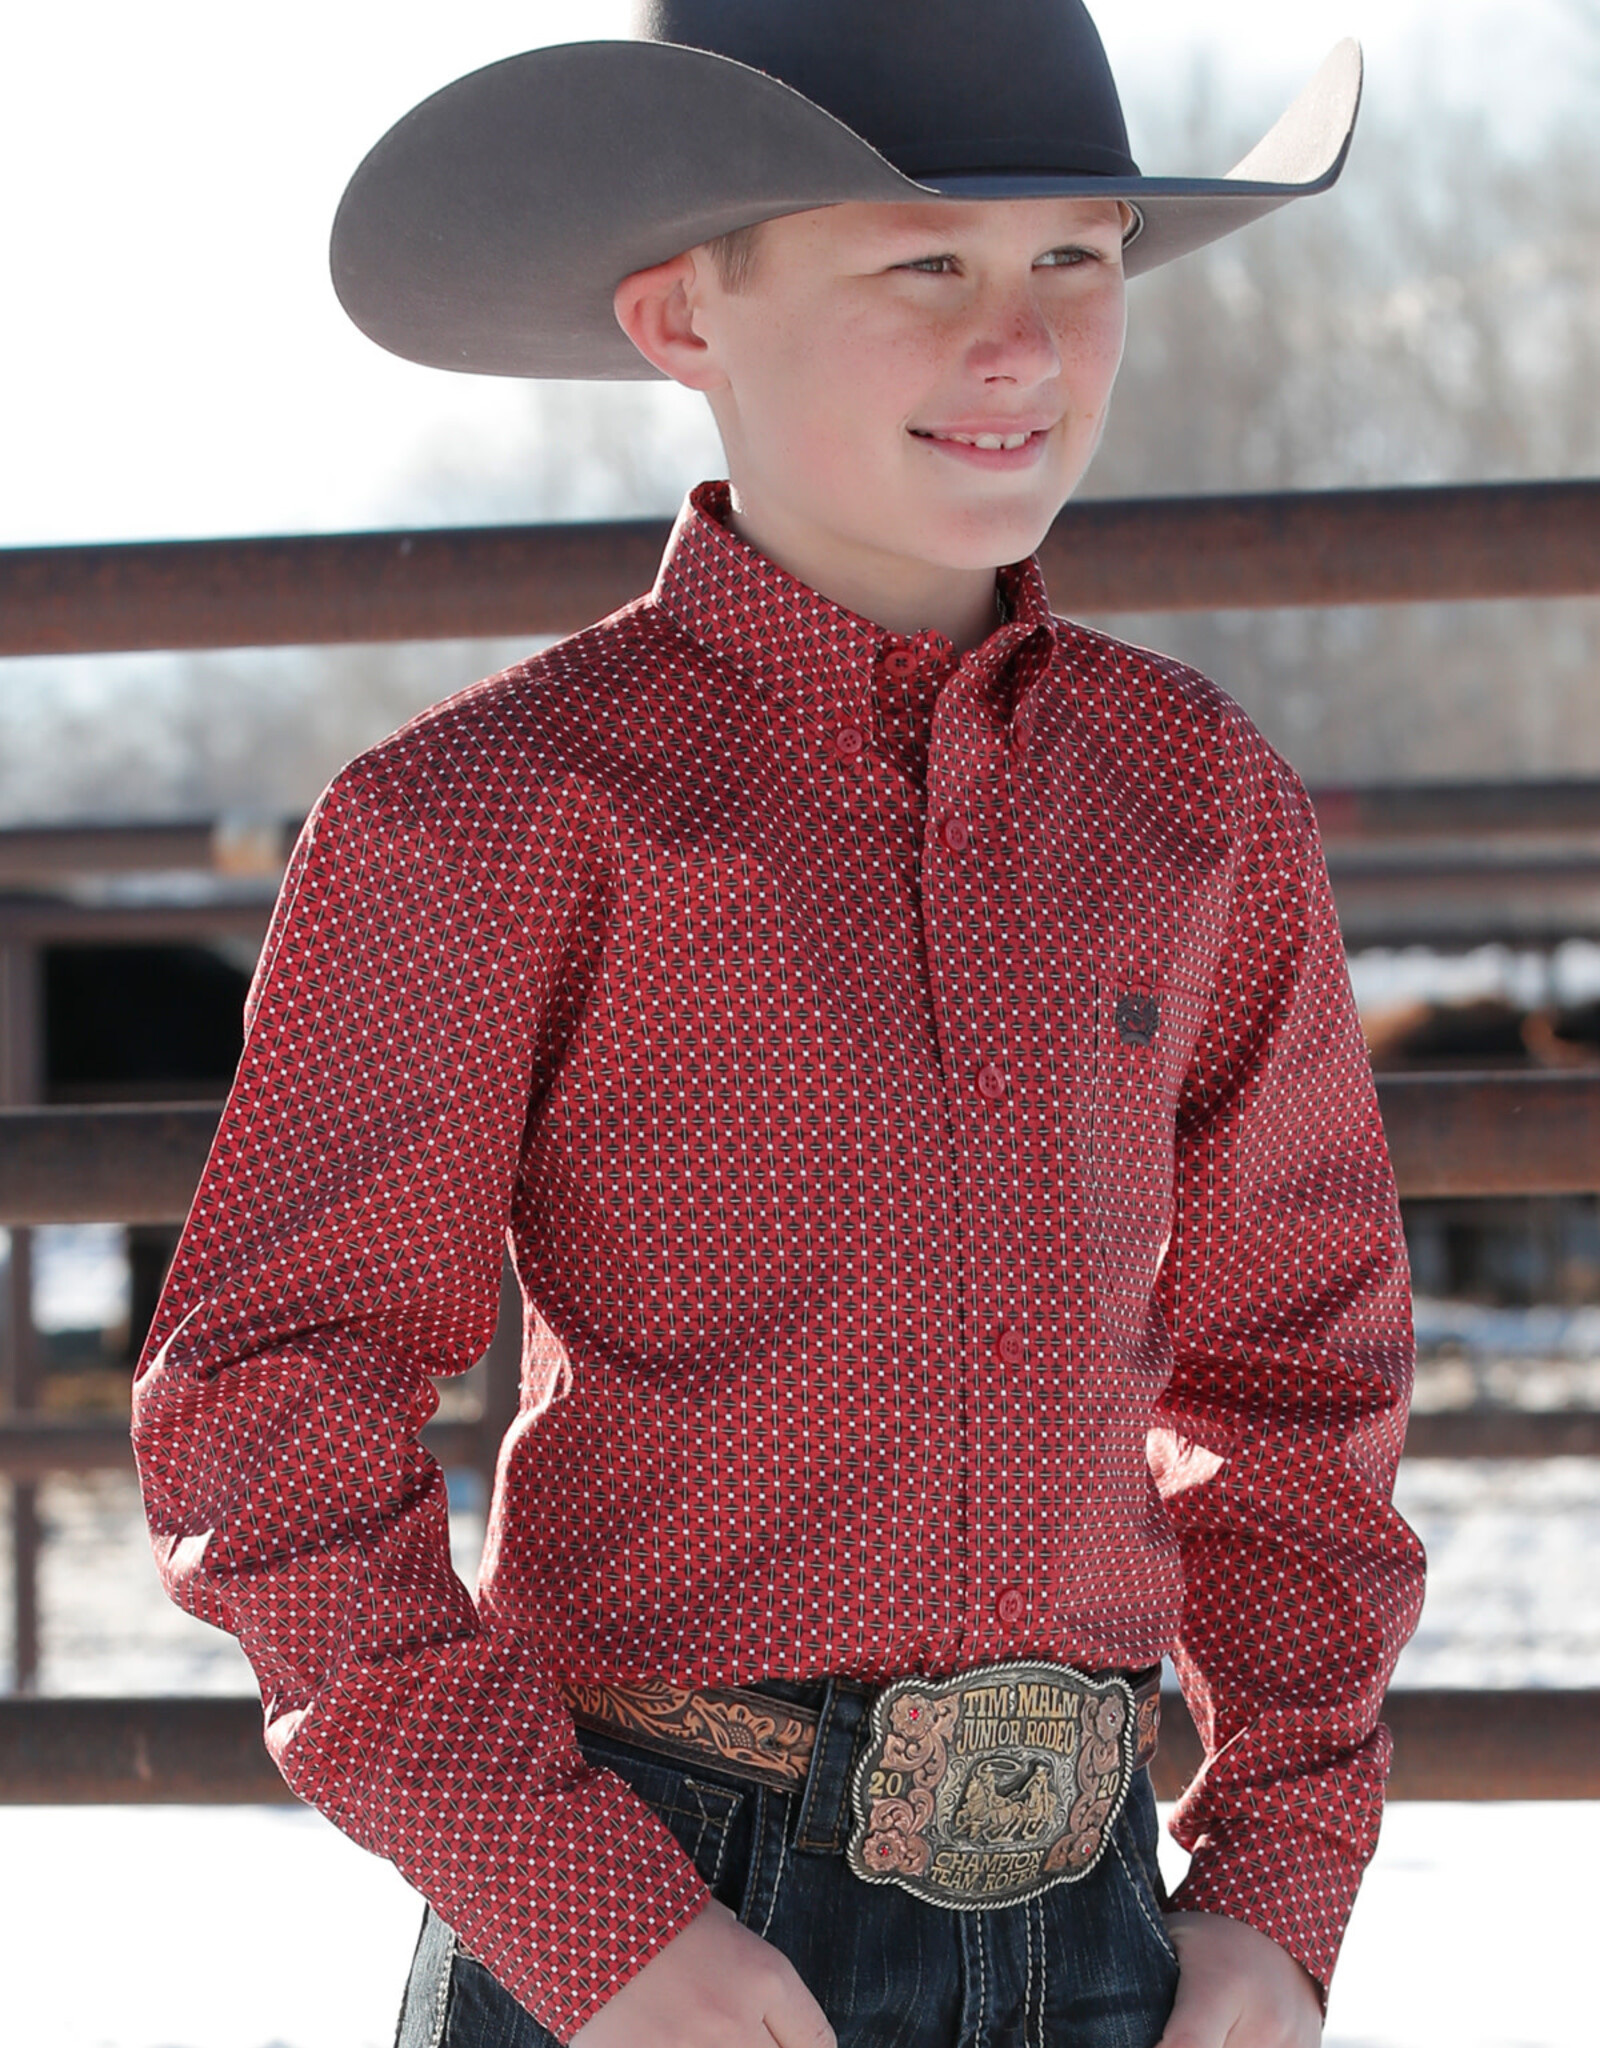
(1138, 1019)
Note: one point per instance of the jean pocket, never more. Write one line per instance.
(708, 1820)
(1133, 1845)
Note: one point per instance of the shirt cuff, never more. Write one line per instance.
(585, 1921)
(1295, 1887)
(551, 1872)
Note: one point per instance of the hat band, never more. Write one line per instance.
(1001, 158)
(952, 188)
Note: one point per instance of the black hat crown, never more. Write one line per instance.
(944, 89)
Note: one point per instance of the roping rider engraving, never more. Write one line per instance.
(980, 1790)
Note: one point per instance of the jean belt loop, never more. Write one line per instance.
(823, 1824)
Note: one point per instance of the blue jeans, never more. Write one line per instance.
(1086, 1965)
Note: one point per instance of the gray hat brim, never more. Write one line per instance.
(488, 230)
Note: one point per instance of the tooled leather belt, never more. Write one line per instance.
(972, 1792)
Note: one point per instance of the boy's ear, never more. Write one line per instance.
(655, 310)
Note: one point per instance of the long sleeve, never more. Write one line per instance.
(1286, 1293)
(625, 953)
(345, 1244)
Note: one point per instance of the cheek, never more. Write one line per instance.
(1103, 345)
(842, 397)
(1091, 354)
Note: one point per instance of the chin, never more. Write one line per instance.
(985, 536)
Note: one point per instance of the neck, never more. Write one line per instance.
(902, 595)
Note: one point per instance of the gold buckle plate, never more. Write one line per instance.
(983, 1789)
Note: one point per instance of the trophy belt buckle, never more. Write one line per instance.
(981, 1790)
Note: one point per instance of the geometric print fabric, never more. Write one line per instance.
(929, 1115)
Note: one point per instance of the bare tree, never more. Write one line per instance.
(1436, 319)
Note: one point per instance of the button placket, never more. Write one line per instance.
(963, 776)
(846, 743)
(1011, 1605)
(839, 726)
(1011, 1347)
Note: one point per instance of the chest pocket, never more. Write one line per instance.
(1146, 1023)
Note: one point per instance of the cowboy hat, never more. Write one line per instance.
(488, 230)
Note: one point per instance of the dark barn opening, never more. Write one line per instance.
(152, 1023)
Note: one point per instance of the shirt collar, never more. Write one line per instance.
(814, 656)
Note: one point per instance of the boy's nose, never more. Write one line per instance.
(1017, 345)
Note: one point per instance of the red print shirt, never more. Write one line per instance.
(954, 1224)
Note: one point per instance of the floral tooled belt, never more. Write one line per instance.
(971, 1792)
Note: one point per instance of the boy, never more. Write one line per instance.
(907, 1040)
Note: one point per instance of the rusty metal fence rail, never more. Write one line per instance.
(1444, 865)
(1432, 858)
(1457, 542)
(1450, 1135)
(148, 1751)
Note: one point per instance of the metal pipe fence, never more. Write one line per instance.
(1449, 866)
(1253, 552)
(1500, 1133)
(149, 1751)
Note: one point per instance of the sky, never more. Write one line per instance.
(172, 359)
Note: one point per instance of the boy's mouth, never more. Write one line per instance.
(975, 440)
(1008, 448)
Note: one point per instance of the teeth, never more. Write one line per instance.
(986, 440)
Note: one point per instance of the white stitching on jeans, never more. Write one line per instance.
(1137, 1888)
(772, 1903)
(707, 1820)
(441, 1990)
(1027, 1989)
(1037, 1910)
(722, 1839)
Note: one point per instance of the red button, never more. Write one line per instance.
(1011, 1606)
(1011, 1349)
(901, 663)
(991, 1084)
(955, 835)
(849, 739)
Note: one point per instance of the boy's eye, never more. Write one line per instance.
(1052, 259)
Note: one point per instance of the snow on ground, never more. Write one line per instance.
(198, 1927)
(1387, 977)
(182, 1927)
(1513, 1594)
(1471, 1931)
(264, 1928)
